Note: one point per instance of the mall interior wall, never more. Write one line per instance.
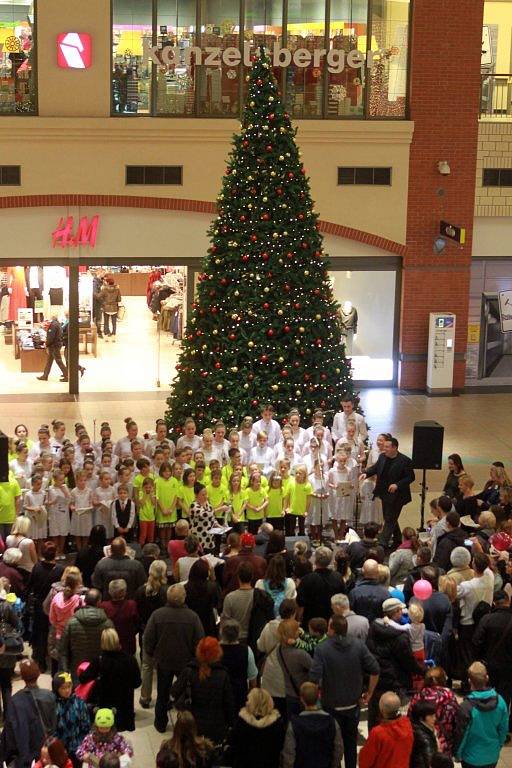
(446, 128)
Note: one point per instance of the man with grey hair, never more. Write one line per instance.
(357, 626)
(8, 569)
(170, 639)
(262, 538)
(316, 589)
(123, 614)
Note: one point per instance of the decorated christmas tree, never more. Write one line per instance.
(264, 326)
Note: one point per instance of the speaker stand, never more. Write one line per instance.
(424, 489)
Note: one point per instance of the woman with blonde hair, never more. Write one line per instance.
(295, 663)
(19, 538)
(149, 597)
(211, 694)
(117, 676)
(258, 735)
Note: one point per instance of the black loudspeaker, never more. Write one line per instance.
(4, 458)
(290, 541)
(427, 445)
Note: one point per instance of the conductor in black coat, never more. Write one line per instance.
(394, 477)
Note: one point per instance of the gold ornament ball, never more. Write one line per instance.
(275, 235)
(280, 359)
(297, 341)
(308, 411)
(237, 293)
(306, 272)
(281, 157)
(251, 103)
(318, 317)
(279, 311)
(217, 261)
(234, 369)
(338, 370)
(272, 173)
(246, 386)
(270, 98)
(204, 346)
(301, 329)
(275, 387)
(298, 392)
(215, 331)
(265, 199)
(219, 386)
(266, 289)
(247, 78)
(190, 393)
(250, 344)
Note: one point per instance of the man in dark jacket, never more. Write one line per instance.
(118, 566)
(437, 609)
(368, 547)
(31, 715)
(170, 640)
(313, 738)
(368, 595)
(230, 572)
(423, 558)
(391, 647)
(316, 589)
(493, 645)
(81, 639)
(53, 347)
(339, 667)
(394, 477)
(454, 537)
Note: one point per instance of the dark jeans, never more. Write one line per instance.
(164, 680)
(348, 720)
(291, 522)
(503, 686)
(106, 324)
(391, 508)
(54, 355)
(6, 686)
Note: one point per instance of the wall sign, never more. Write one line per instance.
(86, 232)
(505, 303)
(74, 50)
(25, 319)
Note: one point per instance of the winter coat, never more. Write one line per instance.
(110, 296)
(313, 740)
(447, 709)
(147, 604)
(125, 618)
(482, 727)
(117, 675)
(81, 639)
(61, 610)
(256, 742)
(97, 745)
(388, 744)
(445, 546)
(73, 722)
(212, 699)
(438, 614)
(367, 597)
(114, 567)
(358, 552)
(392, 649)
(171, 636)
(400, 564)
(424, 746)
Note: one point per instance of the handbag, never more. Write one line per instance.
(12, 639)
(184, 700)
(121, 312)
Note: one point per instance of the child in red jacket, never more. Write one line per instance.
(390, 743)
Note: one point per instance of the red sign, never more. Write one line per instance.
(64, 236)
(74, 50)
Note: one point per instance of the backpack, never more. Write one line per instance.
(276, 594)
(262, 612)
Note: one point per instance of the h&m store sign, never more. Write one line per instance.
(66, 236)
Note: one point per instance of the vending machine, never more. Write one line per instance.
(441, 351)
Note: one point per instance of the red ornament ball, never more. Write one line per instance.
(296, 305)
(253, 238)
(323, 376)
(265, 217)
(245, 143)
(245, 258)
(214, 310)
(224, 281)
(190, 337)
(279, 191)
(265, 256)
(211, 399)
(204, 374)
(269, 147)
(218, 365)
(232, 336)
(296, 364)
(307, 377)
(287, 329)
(266, 306)
(254, 402)
(242, 217)
(300, 216)
(270, 333)
(259, 81)
(286, 288)
(317, 291)
(250, 377)
(284, 373)
(271, 116)
(289, 255)
(264, 358)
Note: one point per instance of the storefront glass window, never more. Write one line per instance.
(335, 58)
(388, 75)
(347, 32)
(176, 28)
(304, 84)
(17, 58)
(132, 36)
(218, 84)
(367, 318)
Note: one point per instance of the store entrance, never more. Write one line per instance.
(130, 326)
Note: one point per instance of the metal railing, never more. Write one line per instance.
(496, 96)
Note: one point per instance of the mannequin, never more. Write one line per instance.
(348, 323)
(17, 290)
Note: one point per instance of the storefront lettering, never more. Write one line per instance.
(64, 237)
(168, 57)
